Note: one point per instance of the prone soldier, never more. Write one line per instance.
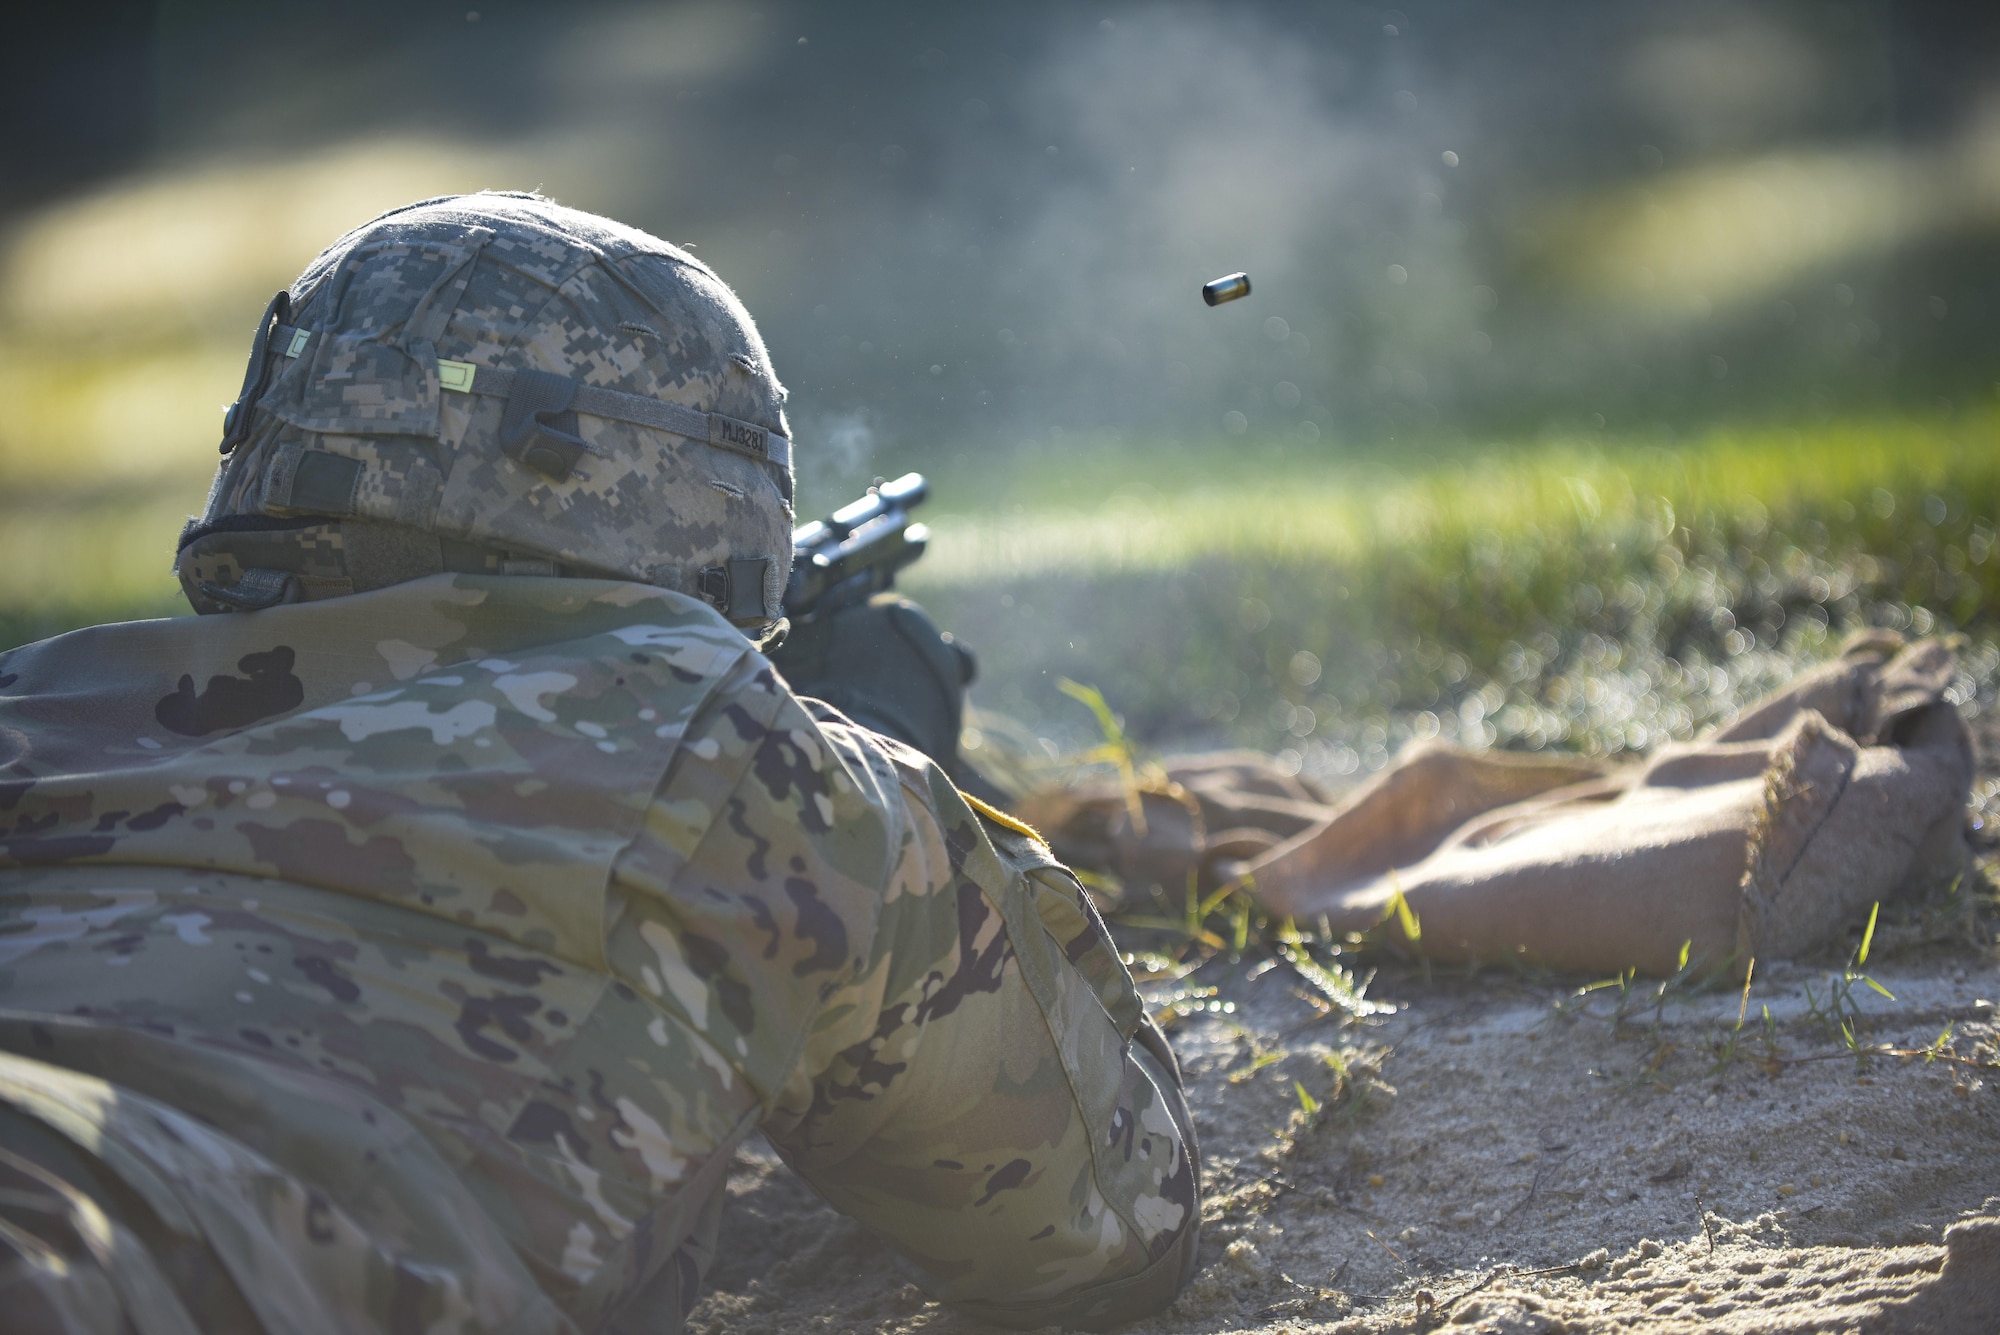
(406, 943)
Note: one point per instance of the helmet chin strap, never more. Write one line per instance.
(236, 418)
(741, 589)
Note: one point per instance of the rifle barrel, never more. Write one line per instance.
(858, 549)
(905, 493)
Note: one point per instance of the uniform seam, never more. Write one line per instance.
(795, 1053)
(766, 1100)
(1098, 1173)
(706, 707)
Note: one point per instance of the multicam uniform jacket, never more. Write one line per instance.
(414, 960)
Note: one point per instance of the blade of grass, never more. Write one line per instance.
(1400, 910)
(1116, 748)
(1307, 1103)
(1175, 925)
(1330, 981)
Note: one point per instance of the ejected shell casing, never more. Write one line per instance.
(1227, 288)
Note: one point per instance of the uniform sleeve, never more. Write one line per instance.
(984, 1090)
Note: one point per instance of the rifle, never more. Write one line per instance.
(892, 669)
(854, 553)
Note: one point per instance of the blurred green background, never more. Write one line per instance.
(1604, 362)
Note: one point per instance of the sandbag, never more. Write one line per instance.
(1766, 838)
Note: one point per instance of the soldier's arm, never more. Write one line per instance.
(922, 1013)
(983, 1090)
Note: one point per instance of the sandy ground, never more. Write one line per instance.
(1657, 1177)
(1479, 1127)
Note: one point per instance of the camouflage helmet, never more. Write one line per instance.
(495, 383)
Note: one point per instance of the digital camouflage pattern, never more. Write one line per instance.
(354, 422)
(414, 960)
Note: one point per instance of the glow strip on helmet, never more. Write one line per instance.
(289, 340)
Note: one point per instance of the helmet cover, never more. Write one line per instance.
(496, 383)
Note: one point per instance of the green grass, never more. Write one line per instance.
(1602, 596)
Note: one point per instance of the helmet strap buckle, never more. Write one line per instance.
(735, 588)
